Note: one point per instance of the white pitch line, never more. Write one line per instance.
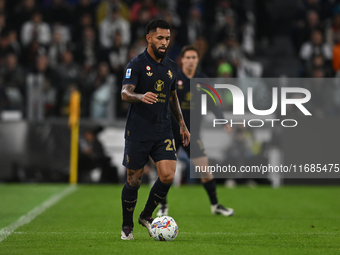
(31, 215)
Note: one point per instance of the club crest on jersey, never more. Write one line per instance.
(159, 85)
(148, 68)
(149, 74)
(128, 73)
(170, 74)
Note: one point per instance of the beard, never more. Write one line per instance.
(158, 54)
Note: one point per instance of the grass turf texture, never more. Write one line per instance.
(288, 220)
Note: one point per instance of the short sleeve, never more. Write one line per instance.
(131, 75)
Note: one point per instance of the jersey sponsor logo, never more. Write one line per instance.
(149, 74)
(170, 74)
(148, 68)
(159, 85)
(188, 96)
(128, 73)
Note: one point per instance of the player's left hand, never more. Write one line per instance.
(185, 135)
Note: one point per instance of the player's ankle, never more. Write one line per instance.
(127, 223)
(146, 214)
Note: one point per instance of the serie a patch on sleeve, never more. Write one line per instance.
(128, 73)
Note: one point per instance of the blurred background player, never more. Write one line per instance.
(190, 104)
(92, 156)
(150, 88)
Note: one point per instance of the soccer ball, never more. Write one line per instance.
(164, 228)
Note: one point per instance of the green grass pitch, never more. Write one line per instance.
(287, 220)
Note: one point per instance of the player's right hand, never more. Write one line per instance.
(149, 98)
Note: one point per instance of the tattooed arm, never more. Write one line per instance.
(177, 113)
(128, 95)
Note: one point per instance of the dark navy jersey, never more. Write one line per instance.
(190, 102)
(150, 122)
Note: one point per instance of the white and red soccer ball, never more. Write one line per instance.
(164, 228)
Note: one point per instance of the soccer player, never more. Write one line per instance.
(150, 88)
(190, 104)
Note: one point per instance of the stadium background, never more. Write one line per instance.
(49, 48)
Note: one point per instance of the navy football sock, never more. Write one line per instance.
(158, 192)
(129, 200)
(210, 187)
(164, 201)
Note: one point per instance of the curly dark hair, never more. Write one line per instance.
(157, 23)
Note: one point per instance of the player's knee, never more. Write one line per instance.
(135, 182)
(204, 180)
(167, 178)
(134, 177)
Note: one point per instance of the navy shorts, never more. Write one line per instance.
(195, 149)
(136, 153)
